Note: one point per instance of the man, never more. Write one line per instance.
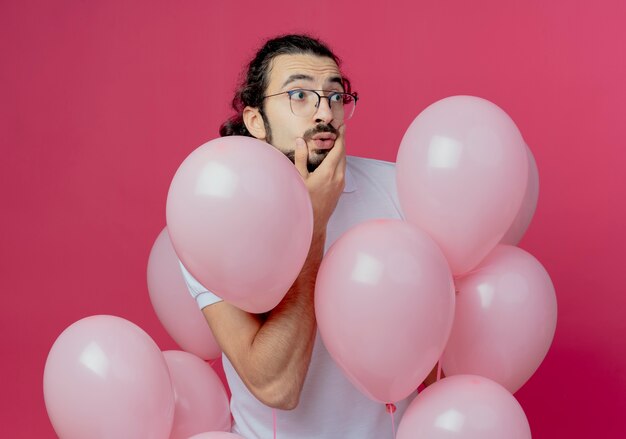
(295, 98)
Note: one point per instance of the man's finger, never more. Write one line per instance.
(332, 160)
(301, 157)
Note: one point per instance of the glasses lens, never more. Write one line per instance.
(348, 104)
(303, 102)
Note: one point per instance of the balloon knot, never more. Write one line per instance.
(391, 408)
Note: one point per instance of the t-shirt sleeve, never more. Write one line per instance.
(202, 296)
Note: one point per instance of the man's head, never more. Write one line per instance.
(270, 107)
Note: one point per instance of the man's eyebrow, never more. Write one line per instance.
(301, 76)
(336, 80)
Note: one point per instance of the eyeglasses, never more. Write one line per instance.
(304, 103)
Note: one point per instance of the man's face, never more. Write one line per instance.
(289, 72)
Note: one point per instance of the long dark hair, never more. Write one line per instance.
(253, 85)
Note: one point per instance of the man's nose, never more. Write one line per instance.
(324, 113)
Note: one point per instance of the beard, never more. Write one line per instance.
(315, 157)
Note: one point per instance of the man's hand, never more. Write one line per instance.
(326, 183)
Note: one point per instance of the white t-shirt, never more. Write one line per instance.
(330, 406)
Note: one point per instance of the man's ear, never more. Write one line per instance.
(253, 119)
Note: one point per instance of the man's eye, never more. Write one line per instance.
(336, 97)
(298, 95)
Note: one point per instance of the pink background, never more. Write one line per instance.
(101, 101)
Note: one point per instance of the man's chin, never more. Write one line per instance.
(316, 157)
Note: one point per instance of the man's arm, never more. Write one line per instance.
(271, 353)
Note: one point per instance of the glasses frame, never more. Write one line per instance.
(331, 94)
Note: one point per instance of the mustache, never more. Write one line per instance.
(319, 128)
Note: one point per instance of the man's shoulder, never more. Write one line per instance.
(370, 173)
(364, 163)
(375, 181)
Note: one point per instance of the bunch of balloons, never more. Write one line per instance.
(106, 378)
(393, 298)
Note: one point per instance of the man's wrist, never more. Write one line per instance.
(318, 241)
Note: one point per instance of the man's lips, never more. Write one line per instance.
(324, 136)
(324, 143)
(324, 140)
